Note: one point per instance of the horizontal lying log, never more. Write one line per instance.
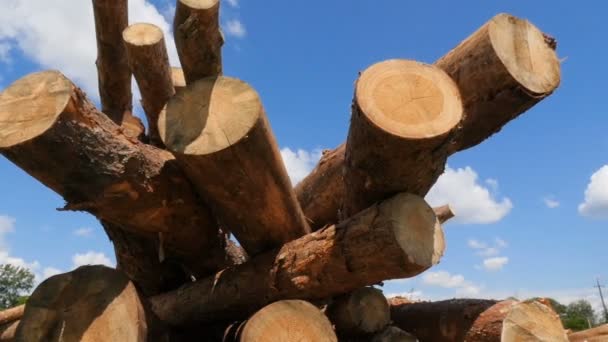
(403, 116)
(8, 330)
(286, 321)
(149, 62)
(503, 69)
(198, 38)
(398, 238)
(363, 311)
(91, 303)
(490, 97)
(219, 134)
(11, 314)
(393, 334)
(50, 130)
(597, 334)
(476, 320)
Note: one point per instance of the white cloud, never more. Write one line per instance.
(551, 203)
(91, 258)
(49, 272)
(488, 252)
(83, 232)
(596, 195)
(446, 280)
(495, 264)
(235, 28)
(484, 249)
(477, 244)
(299, 163)
(501, 243)
(60, 34)
(5, 49)
(472, 202)
(233, 3)
(412, 295)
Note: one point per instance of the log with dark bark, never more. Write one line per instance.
(50, 130)
(286, 321)
(597, 334)
(11, 314)
(393, 334)
(403, 116)
(363, 311)
(8, 330)
(198, 38)
(219, 134)
(476, 320)
(114, 76)
(149, 62)
(398, 238)
(91, 303)
(503, 69)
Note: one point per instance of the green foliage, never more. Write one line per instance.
(14, 283)
(576, 315)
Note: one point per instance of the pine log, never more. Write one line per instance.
(597, 334)
(219, 134)
(149, 62)
(398, 238)
(476, 320)
(286, 321)
(114, 76)
(49, 129)
(91, 303)
(179, 81)
(11, 314)
(198, 38)
(503, 69)
(363, 311)
(403, 115)
(7, 331)
(393, 334)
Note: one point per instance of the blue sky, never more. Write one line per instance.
(521, 228)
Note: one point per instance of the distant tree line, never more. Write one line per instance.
(15, 284)
(578, 315)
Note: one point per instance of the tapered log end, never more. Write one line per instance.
(409, 99)
(210, 115)
(416, 228)
(525, 52)
(31, 105)
(141, 34)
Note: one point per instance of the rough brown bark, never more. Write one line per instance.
(91, 303)
(111, 18)
(476, 320)
(219, 134)
(397, 238)
(11, 314)
(7, 331)
(149, 62)
(363, 311)
(503, 69)
(597, 334)
(286, 321)
(50, 130)
(198, 38)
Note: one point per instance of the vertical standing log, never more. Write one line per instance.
(286, 321)
(221, 137)
(198, 39)
(149, 62)
(111, 18)
(403, 115)
(503, 69)
(363, 311)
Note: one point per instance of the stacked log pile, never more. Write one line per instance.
(209, 167)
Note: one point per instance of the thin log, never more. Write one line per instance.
(597, 334)
(179, 81)
(363, 311)
(8, 330)
(403, 115)
(91, 303)
(219, 134)
(398, 238)
(503, 69)
(149, 62)
(198, 38)
(286, 321)
(476, 320)
(11, 314)
(49, 129)
(114, 76)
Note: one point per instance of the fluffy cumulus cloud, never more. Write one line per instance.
(489, 251)
(60, 34)
(84, 232)
(91, 258)
(596, 195)
(235, 28)
(299, 163)
(551, 203)
(444, 279)
(471, 200)
(495, 264)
